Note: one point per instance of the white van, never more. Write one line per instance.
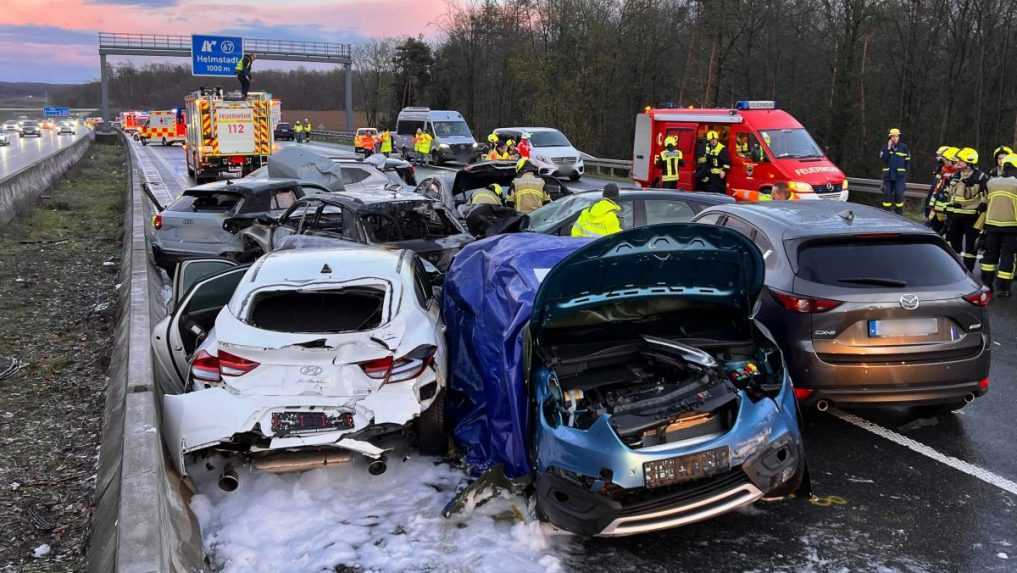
(452, 137)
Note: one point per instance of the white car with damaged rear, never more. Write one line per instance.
(305, 358)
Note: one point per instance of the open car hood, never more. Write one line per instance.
(298, 163)
(627, 275)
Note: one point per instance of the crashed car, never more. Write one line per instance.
(303, 359)
(203, 221)
(397, 220)
(624, 376)
(342, 172)
(454, 190)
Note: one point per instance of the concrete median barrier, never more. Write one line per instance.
(142, 522)
(20, 189)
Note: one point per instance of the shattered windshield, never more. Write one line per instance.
(451, 129)
(796, 143)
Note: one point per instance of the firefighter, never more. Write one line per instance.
(528, 193)
(386, 143)
(510, 146)
(999, 229)
(243, 69)
(967, 200)
(896, 159)
(425, 147)
(998, 156)
(524, 148)
(601, 218)
(702, 174)
(490, 195)
(718, 163)
(937, 174)
(941, 192)
(498, 153)
(669, 161)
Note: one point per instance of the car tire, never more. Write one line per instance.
(432, 437)
(143, 141)
(164, 144)
(937, 410)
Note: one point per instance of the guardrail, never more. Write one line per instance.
(340, 136)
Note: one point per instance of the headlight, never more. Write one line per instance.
(475, 145)
(443, 146)
(844, 185)
(799, 187)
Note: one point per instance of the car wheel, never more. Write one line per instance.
(432, 439)
(936, 410)
(164, 144)
(144, 141)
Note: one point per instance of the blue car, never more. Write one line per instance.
(625, 376)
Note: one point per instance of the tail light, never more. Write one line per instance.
(983, 384)
(804, 304)
(232, 365)
(980, 297)
(205, 367)
(402, 369)
(803, 393)
(157, 221)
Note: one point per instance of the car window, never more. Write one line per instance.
(557, 211)
(421, 283)
(552, 138)
(770, 257)
(408, 127)
(349, 309)
(354, 175)
(283, 199)
(626, 215)
(294, 219)
(710, 218)
(879, 263)
(739, 225)
(203, 202)
(409, 221)
(667, 211)
(451, 129)
(328, 220)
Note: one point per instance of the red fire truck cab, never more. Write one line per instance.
(766, 145)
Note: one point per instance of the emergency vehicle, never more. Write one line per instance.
(227, 134)
(132, 121)
(276, 113)
(165, 126)
(766, 145)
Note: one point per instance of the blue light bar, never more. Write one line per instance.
(756, 104)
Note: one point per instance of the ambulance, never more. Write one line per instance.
(766, 145)
(165, 126)
(276, 113)
(227, 134)
(132, 121)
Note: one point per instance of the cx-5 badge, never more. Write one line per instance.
(909, 302)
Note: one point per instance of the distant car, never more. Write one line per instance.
(399, 220)
(284, 130)
(65, 128)
(870, 308)
(203, 220)
(12, 125)
(30, 128)
(5, 139)
(365, 139)
(302, 359)
(550, 146)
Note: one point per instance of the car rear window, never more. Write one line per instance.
(342, 310)
(205, 202)
(880, 263)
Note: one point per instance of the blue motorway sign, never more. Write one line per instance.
(215, 55)
(56, 111)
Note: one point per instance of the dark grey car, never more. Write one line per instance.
(870, 308)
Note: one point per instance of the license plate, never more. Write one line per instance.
(303, 422)
(903, 327)
(686, 468)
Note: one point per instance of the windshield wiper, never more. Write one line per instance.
(877, 281)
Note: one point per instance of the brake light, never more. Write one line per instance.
(157, 221)
(980, 297)
(205, 367)
(408, 367)
(803, 393)
(983, 384)
(233, 365)
(804, 304)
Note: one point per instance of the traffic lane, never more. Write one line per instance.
(900, 511)
(24, 151)
(984, 432)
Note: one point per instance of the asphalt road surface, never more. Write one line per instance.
(894, 492)
(24, 151)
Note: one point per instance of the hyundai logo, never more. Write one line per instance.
(909, 302)
(313, 370)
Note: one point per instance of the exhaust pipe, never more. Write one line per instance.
(228, 480)
(377, 467)
(299, 461)
(969, 398)
(823, 405)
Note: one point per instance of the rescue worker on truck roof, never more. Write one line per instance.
(999, 229)
(243, 69)
(968, 192)
(896, 159)
(717, 164)
(601, 218)
(669, 161)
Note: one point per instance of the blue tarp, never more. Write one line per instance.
(488, 298)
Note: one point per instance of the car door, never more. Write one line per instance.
(627, 217)
(657, 211)
(201, 287)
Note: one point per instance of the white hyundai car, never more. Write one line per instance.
(302, 359)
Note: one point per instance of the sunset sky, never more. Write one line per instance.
(56, 40)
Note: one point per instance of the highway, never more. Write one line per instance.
(24, 151)
(894, 491)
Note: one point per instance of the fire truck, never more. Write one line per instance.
(131, 121)
(165, 126)
(766, 145)
(226, 133)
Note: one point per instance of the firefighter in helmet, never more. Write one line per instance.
(967, 200)
(669, 161)
(718, 163)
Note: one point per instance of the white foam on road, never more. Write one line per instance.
(916, 446)
(320, 519)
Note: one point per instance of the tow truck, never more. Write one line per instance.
(165, 126)
(227, 133)
(766, 146)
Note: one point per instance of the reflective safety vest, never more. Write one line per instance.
(240, 66)
(485, 197)
(670, 162)
(386, 142)
(425, 143)
(493, 155)
(1002, 209)
(717, 159)
(298, 127)
(598, 220)
(896, 161)
(528, 193)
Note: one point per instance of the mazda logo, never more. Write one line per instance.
(316, 370)
(909, 302)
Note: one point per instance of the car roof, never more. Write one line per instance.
(245, 185)
(367, 198)
(820, 218)
(528, 129)
(303, 265)
(694, 197)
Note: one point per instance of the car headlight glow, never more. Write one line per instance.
(799, 187)
(443, 146)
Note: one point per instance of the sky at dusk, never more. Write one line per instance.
(56, 40)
